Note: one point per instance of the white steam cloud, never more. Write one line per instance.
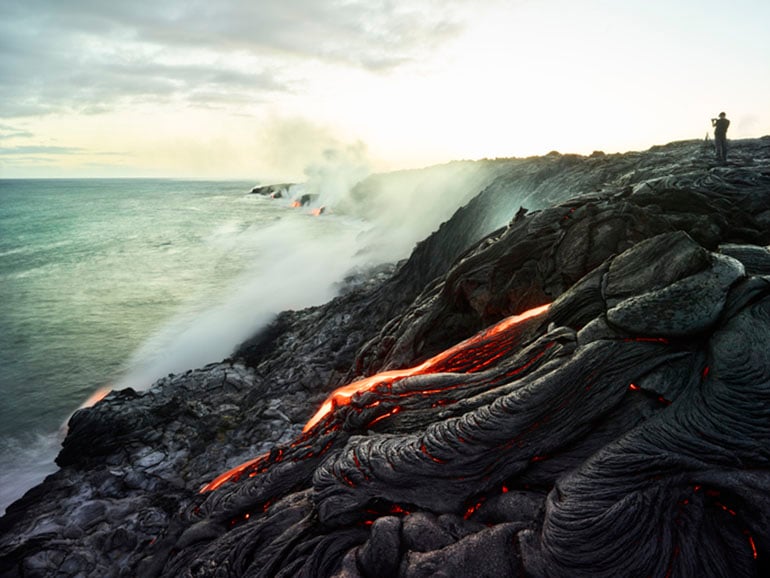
(299, 268)
(365, 223)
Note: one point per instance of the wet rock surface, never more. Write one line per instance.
(276, 191)
(622, 429)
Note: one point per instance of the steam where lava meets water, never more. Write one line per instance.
(584, 391)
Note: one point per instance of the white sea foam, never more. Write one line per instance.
(25, 464)
(25, 250)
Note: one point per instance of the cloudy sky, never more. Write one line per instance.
(264, 89)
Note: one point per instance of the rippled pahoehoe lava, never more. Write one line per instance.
(574, 432)
(624, 431)
(470, 356)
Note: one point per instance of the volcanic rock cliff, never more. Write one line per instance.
(584, 391)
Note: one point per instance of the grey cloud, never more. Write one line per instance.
(8, 132)
(39, 150)
(351, 30)
(71, 75)
(88, 55)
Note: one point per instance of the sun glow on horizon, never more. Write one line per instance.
(421, 83)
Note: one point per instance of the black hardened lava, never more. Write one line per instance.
(583, 392)
(624, 430)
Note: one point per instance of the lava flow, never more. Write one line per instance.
(233, 474)
(96, 397)
(469, 356)
(472, 355)
(92, 400)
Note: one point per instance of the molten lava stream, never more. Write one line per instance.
(96, 397)
(485, 341)
(233, 474)
(92, 400)
(472, 355)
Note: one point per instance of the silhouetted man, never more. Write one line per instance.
(720, 136)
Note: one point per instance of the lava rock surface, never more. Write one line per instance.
(621, 428)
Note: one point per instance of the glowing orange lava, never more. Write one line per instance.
(342, 395)
(472, 355)
(753, 546)
(233, 474)
(473, 509)
(93, 399)
(96, 397)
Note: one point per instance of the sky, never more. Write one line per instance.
(274, 89)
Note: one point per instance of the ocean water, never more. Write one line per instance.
(115, 283)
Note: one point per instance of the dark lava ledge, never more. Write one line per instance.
(620, 428)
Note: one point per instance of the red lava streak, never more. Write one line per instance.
(233, 474)
(473, 509)
(424, 450)
(472, 355)
(752, 544)
(453, 359)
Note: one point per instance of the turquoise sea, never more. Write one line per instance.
(118, 282)
(113, 283)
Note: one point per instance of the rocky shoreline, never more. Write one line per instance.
(624, 431)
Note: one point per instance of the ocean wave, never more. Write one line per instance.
(31, 249)
(26, 462)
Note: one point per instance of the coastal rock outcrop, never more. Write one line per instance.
(273, 191)
(582, 391)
